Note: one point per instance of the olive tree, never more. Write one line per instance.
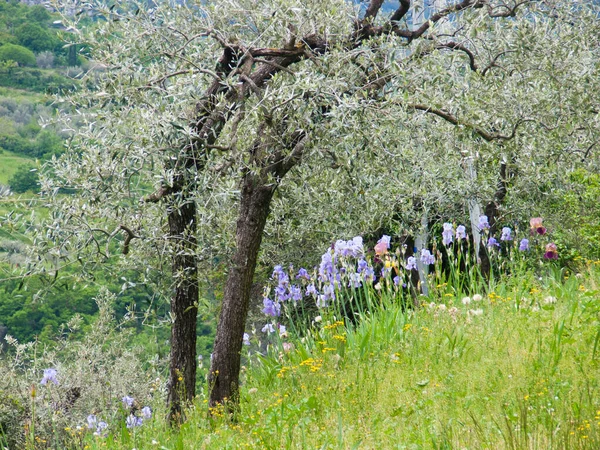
(202, 116)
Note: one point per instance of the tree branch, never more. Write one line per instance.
(448, 117)
(457, 46)
(510, 12)
(401, 11)
(372, 10)
(494, 61)
(464, 4)
(130, 235)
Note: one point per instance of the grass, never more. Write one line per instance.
(520, 371)
(9, 163)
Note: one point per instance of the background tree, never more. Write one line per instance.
(209, 105)
(18, 54)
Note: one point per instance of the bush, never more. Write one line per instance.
(24, 179)
(18, 54)
(45, 60)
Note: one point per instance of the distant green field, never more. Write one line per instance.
(9, 163)
(21, 94)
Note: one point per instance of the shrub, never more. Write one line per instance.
(24, 179)
(18, 54)
(45, 60)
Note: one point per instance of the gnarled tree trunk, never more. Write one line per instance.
(182, 377)
(225, 367)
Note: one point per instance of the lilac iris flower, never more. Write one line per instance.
(447, 234)
(506, 234)
(147, 412)
(246, 339)
(268, 328)
(277, 272)
(296, 293)
(396, 280)
(100, 429)
(50, 375)
(426, 257)
(355, 280)
(302, 273)
(461, 232)
(326, 270)
(91, 420)
(492, 242)
(524, 245)
(411, 263)
(362, 265)
(271, 308)
(127, 401)
(352, 248)
(133, 421)
(311, 290)
(369, 274)
(483, 223)
(281, 293)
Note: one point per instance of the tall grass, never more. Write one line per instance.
(515, 370)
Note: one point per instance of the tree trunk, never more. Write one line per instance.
(182, 377)
(225, 367)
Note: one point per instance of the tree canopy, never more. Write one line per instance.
(332, 120)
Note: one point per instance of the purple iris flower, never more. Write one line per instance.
(296, 293)
(524, 245)
(326, 269)
(147, 412)
(91, 420)
(50, 375)
(447, 234)
(492, 242)
(271, 308)
(355, 280)
(369, 274)
(506, 234)
(281, 293)
(461, 232)
(483, 223)
(100, 429)
(411, 263)
(302, 273)
(426, 257)
(396, 280)
(246, 339)
(362, 265)
(127, 401)
(268, 328)
(133, 421)
(311, 290)
(277, 272)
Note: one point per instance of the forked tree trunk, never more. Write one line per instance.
(182, 377)
(225, 368)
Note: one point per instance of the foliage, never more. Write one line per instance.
(18, 54)
(31, 26)
(36, 38)
(80, 378)
(389, 166)
(24, 179)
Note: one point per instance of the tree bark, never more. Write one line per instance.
(225, 368)
(491, 211)
(182, 377)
